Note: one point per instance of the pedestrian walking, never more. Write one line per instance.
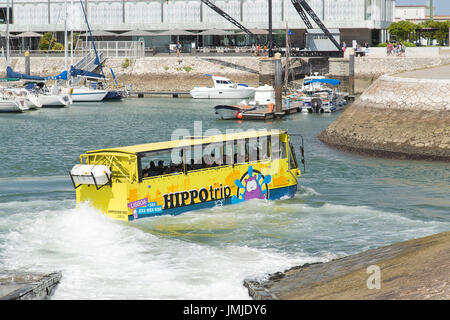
(178, 47)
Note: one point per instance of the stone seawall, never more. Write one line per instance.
(369, 67)
(172, 73)
(397, 117)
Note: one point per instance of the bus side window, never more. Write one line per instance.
(228, 153)
(252, 149)
(212, 155)
(263, 147)
(240, 151)
(277, 147)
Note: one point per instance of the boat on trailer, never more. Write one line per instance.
(172, 177)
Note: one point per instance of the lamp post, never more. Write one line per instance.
(431, 10)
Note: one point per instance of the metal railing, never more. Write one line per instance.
(112, 49)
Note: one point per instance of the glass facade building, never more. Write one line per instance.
(357, 19)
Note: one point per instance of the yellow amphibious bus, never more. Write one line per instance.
(173, 177)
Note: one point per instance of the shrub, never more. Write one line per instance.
(409, 44)
(58, 46)
(187, 68)
(126, 63)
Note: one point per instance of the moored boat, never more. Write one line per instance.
(9, 103)
(86, 94)
(230, 112)
(224, 88)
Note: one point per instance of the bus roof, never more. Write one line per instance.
(187, 141)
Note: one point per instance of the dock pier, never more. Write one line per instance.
(28, 286)
(173, 94)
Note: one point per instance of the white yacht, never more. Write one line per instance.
(224, 88)
(87, 94)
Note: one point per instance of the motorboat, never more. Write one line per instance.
(316, 96)
(224, 88)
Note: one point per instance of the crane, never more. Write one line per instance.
(304, 8)
(231, 19)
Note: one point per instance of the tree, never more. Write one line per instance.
(402, 29)
(441, 34)
(48, 42)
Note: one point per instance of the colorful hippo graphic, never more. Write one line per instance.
(253, 187)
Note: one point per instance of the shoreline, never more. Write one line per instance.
(416, 269)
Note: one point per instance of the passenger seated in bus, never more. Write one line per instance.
(153, 171)
(160, 167)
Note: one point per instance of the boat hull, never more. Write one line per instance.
(275, 194)
(113, 95)
(8, 106)
(225, 93)
(52, 100)
(226, 112)
(79, 95)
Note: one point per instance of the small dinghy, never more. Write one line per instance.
(227, 112)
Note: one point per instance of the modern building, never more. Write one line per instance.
(411, 13)
(361, 20)
(416, 14)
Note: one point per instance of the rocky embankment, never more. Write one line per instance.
(415, 269)
(404, 116)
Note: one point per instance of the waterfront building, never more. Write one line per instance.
(413, 13)
(361, 20)
(417, 14)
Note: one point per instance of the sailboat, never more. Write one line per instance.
(9, 100)
(10, 103)
(96, 91)
(53, 97)
(86, 93)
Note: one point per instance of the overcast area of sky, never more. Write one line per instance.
(442, 7)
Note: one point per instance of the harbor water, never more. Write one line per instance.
(345, 204)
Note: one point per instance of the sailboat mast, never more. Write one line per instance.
(66, 63)
(7, 33)
(97, 60)
(71, 34)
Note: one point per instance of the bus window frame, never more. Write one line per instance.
(224, 143)
(292, 156)
(140, 155)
